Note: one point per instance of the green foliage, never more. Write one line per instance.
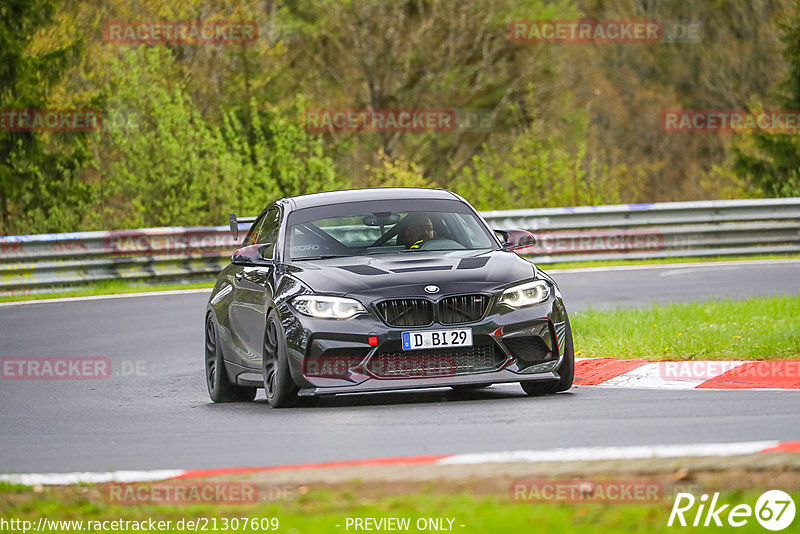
(534, 172)
(771, 161)
(159, 161)
(397, 173)
(195, 131)
(162, 163)
(40, 184)
(723, 181)
(296, 160)
(414, 54)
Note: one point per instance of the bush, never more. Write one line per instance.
(161, 163)
(533, 173)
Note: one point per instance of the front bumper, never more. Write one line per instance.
(374, 384)
(509, 345)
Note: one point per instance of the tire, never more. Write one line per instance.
(220, 388)
(566, 372)
(464, 388)
(278, 383)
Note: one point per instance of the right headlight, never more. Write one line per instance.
(325, 307)
(526, 294)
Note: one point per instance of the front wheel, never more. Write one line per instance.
(220, 388)
(566, 371)
(278, 383)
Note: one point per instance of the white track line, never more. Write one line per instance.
(665, 266)
(105, 297)
(553, 455)
(612, 453)
(692, 374)
(63, 479)
(657, 375)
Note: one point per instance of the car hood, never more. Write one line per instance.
(407, 274)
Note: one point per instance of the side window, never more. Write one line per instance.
(269, 231)
(250, 238)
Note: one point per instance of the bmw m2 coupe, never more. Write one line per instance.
(381, 289)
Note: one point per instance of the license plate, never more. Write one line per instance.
(434, 339)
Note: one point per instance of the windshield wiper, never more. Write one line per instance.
(399, 251)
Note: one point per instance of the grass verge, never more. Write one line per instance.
(326, 510)
(760, 328)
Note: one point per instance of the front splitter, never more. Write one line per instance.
(376, 384)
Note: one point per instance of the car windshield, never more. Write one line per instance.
(366, 228)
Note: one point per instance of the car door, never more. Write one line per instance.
(252, 289)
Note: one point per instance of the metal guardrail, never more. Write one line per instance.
(660, 230)
(53, 262)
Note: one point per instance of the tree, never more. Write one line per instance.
(772, 160)
(535, 172)
(421, 54)
(40, 185)
(160, 162)
(397, 173)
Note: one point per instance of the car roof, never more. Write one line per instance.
(377, 193)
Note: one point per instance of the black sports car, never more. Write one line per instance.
(378, 289)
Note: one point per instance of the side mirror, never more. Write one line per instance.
(252, 255)
(234, 227)
(236, 221)
(516, 240)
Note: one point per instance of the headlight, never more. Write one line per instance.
(526, 294)
(322, 307)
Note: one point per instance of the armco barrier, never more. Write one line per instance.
(50, 262)
(663, 230)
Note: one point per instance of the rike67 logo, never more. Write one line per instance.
(774, 510)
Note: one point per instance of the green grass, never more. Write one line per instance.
(321, 510)
(108, 287)
(763, 328)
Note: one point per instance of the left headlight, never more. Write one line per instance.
(526, 294)
(324, 307)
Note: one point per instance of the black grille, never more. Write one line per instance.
(439, 362)
(528, 348)
(406, 312)
(462, 309)
(419, 312)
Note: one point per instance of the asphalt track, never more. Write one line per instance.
(155, 413)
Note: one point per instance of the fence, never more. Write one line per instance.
(53, 262)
